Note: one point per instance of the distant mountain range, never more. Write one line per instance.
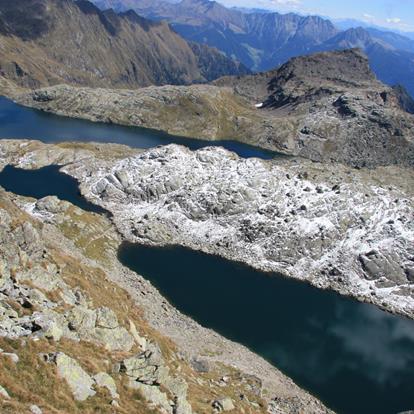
(45, 42)
(262, 41)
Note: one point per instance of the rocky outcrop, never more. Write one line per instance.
(80, 383)
(330, 107)
(4, 393)
(61, 286)
(351, 231)
(64, 41)
(326, 107)
(223, 404)
(201, 111)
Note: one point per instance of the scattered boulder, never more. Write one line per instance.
(4, 393)
(81, 319)
(13, 357)
(104, 380)
(34, 409)
(51, 325)
(101, 326)
(51, 204)
(117, 339)
(223, 404)
(200, 365)
(106, 318)
(154, 395)
(146, 367)
(141, 341)
(383, 265)
(79, 381)
(178, 387)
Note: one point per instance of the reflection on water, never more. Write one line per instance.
(24, 123)
(355, 357)
(384, 344)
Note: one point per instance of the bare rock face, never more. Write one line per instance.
(330, 107)
(308, 78)
(78, 380)
(313, 222)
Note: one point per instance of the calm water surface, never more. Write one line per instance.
(20, 122)
(44, 182)
(353, 356)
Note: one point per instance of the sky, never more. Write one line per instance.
(393, 14)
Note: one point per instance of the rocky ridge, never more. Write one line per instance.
(327, 107)
(334, 227)
(69, 325)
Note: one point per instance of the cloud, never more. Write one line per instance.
(394, 20)
(368, 16)
(391, 22)
(286, 2)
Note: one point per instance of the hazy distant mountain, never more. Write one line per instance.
(250, 10)
(394, 39)
(63, 41)
(345, 24)
(263, 41)
(259, 40)
(391, 64)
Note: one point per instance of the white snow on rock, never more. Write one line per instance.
(356, 237)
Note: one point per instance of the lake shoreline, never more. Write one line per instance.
(193, 340)
(275, 295)
(24, 160)
(126, 134)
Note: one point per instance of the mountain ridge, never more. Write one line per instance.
(263, 41)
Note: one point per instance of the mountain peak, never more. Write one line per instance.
(349, 66)
(320, 74)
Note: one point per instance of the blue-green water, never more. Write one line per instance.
(19, 122)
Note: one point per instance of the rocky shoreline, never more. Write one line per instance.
(332, 226)
(82, 234)
(336, 228)
(340, 114)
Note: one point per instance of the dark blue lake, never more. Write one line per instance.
(19, 122)
(356, 358)
(32, 184)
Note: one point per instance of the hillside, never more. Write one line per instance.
(80, 333)
(62, 41)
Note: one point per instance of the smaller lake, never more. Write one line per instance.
(44, 182)
(19, 122)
